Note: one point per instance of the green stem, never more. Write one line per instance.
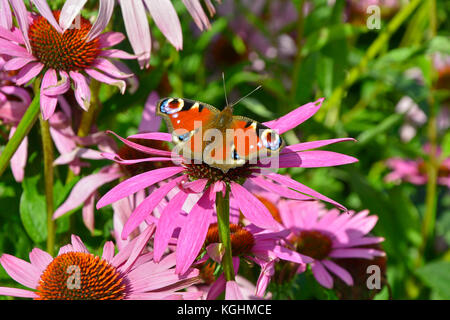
(47, 147)
(22, 130)
(333, 104)
(223, 222)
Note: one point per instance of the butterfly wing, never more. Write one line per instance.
(186, 120)
(253, 140)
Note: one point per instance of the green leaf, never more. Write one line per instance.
(33, 209)
(436, 275)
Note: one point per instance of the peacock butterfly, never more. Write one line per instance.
(218, 138)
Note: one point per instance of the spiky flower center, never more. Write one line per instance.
(80, 276)
(204, 171)
(312, 243)
(69, 51)
(128, 153)
(242, 240)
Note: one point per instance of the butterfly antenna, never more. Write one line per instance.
(224, 88)
(257, 88)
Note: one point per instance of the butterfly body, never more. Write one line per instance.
(218, 138)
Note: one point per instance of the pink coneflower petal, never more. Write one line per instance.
(21, 271)
(356, 253)
(40, 259)
(106, 79)
(108, 251)
(104, 15)
(60, 87)
(321, 274)
(88, 212)
(314, 159)
(5, 15)
(19, 293)
(150, 122)
(10, 48)
(145, 208)
(136, 183)
(151, 151)
(69, 11)
(267, 271)
(144, 281)
(312, 145)
(82, 90)
(83, 189)
(109, 68)
(277, 189)
(162, 136)
(166, 224)
(339, 271)
(48, 103)
(78, 244)
(17, 63)
(232, 291)
(78, 153)
(140, 244)
(28, 72)
(111, 38)
(117, 54)
(21, 14)
(116, 158)
(252, 208)
(47, 13)
(195, 9)
(289, 255)
(302, 188)
(19, 159)
(296, 117)
(190, 243)
(166, 18)
(137, 27)
(13, 35)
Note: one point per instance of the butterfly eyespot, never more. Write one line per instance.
(271, 140)
(184, 137)
(170, 106)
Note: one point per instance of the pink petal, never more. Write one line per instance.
(70, 10)
(150, 121)
(116, 53)
(290, 255)
(142, 148)
(356, 253)
(109, 39)
(339, 271)
(21, 271)
(296, 117)
(162, 136)
(84, 189)
(106, 79)
(277, 189)
(21, 14)
(5, 15)
(88, 213)
(146, 207)
(11, 49)
(28, 72)
(19, 159)
(78, 245)
(314, 159)
(288, 182)
(17, 63)
(58, 88)
(167, 224)
(196, 11)
(322, 276)
(193, 233)
(15, 292)
(166, 18)
(108, 251)
(104, 15)
(252, 208)
(313, 145)
(47, 13)
(137, 27)
(48, 104)
(232, 291)
(109, 68)
(139, 245)
(40, 259)
(82, 90)
(136, 183)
